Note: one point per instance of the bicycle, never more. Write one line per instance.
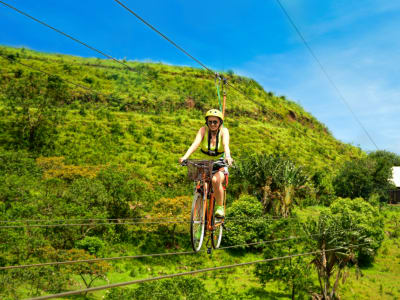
(202, 218)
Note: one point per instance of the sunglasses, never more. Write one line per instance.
(213, 122)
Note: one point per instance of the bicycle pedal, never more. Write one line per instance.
(208, 250)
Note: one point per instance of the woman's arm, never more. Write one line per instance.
(225, 140)
(196, 143)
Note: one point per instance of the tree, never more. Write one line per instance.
(89, 272)
(366, 176)
(293, 273)
(355, 179)
(273, 179)
(347, 233)
(34, 105)
(172, 208)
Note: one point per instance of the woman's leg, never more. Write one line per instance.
(217, 181)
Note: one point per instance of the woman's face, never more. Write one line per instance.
(213, 123)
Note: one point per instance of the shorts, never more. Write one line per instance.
(220, 164)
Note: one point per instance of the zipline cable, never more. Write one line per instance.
(326, 73)
(66, 35)
(189, 273)
(153, 28)
(267, 218)
(237, 89)
(49, 74)
(143, 221)
(186, 53)
(164, 36)
(89, 224)
(68, 262)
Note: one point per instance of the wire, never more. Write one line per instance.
(186, 53)
(143, 221)
(164, 36)
(325, 72)
(88, 224)
(270, 218)
(67, 35)
(130, 68)
(196, 60)
(49, 74)
(154, 254)
(188, 273)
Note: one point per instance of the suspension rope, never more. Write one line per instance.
(326, 73)
(217, 84)
(66, 35)
(164, 36)
(125, 221)
(89, 224)
(190, 273)
(186, 53)
(155, 254)
(49, 74)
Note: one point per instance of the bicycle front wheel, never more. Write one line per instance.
(197, 221)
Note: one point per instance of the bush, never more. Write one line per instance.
(363, 177)
(168, 289)
(91, 244)
(248, 224)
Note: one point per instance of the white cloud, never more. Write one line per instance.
(364, 67)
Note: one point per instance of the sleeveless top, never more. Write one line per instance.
(206, 148)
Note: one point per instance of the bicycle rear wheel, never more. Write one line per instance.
(197, 221)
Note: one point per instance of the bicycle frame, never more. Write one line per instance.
(204, 204)
(209, 205)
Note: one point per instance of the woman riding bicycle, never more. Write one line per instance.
(214, 140)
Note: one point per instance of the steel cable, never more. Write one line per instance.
(189, 273)
(325, 72)
(267, 218)
(49, 74)
(154, 254)
(66, 35)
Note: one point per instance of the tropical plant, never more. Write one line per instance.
(347, 233)
(273, 179)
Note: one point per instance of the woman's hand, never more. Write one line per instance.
(229, 161)
(181, 159)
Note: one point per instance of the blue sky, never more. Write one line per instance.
(357, 42)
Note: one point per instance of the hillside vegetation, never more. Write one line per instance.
(108, 149)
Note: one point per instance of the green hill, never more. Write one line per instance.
(86, 138)
(147, 116)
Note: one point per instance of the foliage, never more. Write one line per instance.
(171, 209)
(171, 289)
(247, 223)
(273, 179)
(294, 274)
(348, 233)
(68, 153)
(363, 177)
(91, 244)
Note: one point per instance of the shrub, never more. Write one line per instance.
(248, 224)
(91, 244)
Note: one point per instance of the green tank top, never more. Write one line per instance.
(206, 147)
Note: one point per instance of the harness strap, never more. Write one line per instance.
(210, 152)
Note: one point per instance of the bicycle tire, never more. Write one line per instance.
(197, 221)
(216, 234)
